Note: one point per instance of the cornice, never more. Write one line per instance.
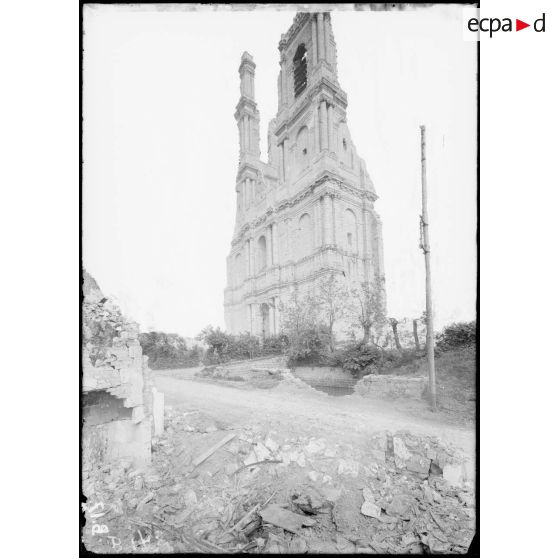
(299, 21)
(332, 183)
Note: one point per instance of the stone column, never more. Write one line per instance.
(368, 224)
(334, 213)
(379, 246)
(323, 125)
(281, 163)
(246, 137)
(241, 133)
(327, 53)
(365, 244)
(366, 233)
(317, 129)
(330, 128)
(328, 219)
(314, 43)
(290, 238)
(252, 257)
(271, 317)
(321, 46)
(286, 159)
(284, 81)
(247, 258)
(275, 242)
(268, 247)
(317, 223)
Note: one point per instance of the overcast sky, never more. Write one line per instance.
(160, 150)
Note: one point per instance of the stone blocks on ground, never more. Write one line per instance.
(422, 456)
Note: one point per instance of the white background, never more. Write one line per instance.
(39, 281)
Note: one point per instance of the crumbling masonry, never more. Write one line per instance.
(121, 408)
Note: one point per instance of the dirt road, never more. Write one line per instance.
(305, 411)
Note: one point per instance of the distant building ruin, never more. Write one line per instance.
(121, 408)
(309, 210)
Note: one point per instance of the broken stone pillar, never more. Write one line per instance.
(158, 412)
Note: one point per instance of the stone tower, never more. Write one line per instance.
(308, 210)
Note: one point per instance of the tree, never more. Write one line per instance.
(332, 298)
(415, 335)
(367, 307)
(394, 322)
(300, 321)
(216, 340)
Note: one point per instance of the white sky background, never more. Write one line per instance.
(160, 150)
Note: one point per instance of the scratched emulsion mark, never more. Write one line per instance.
(100, 531)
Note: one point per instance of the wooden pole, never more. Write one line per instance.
(425, 245)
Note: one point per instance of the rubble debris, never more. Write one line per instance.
(334, 504)
(370, 509)
(121, 407)
(401, 506)
(285, 519)
(309, 501)
(200, 459)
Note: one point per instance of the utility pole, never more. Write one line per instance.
(425, 246)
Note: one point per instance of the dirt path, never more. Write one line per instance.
(289, 409)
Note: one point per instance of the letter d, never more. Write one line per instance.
(535, 25)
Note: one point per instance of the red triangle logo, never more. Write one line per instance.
(519, 25)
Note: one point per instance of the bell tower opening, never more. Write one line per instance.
(300, 70)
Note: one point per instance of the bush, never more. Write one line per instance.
(223, 347)
(358, 359)
(308, 346)
(168, 350)
(457, 335)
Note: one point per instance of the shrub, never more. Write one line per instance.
(223, 347)
(457, 335)
(358, 359)
(309, 345)
(168, 350)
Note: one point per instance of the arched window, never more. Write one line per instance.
(262, 253)
(350, 231)
(302, 147)
(306, 237)
(299, 70)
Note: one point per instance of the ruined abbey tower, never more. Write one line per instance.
(308, 210)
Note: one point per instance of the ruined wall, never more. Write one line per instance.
(117, 385)
(324, 376)
(390, 386)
